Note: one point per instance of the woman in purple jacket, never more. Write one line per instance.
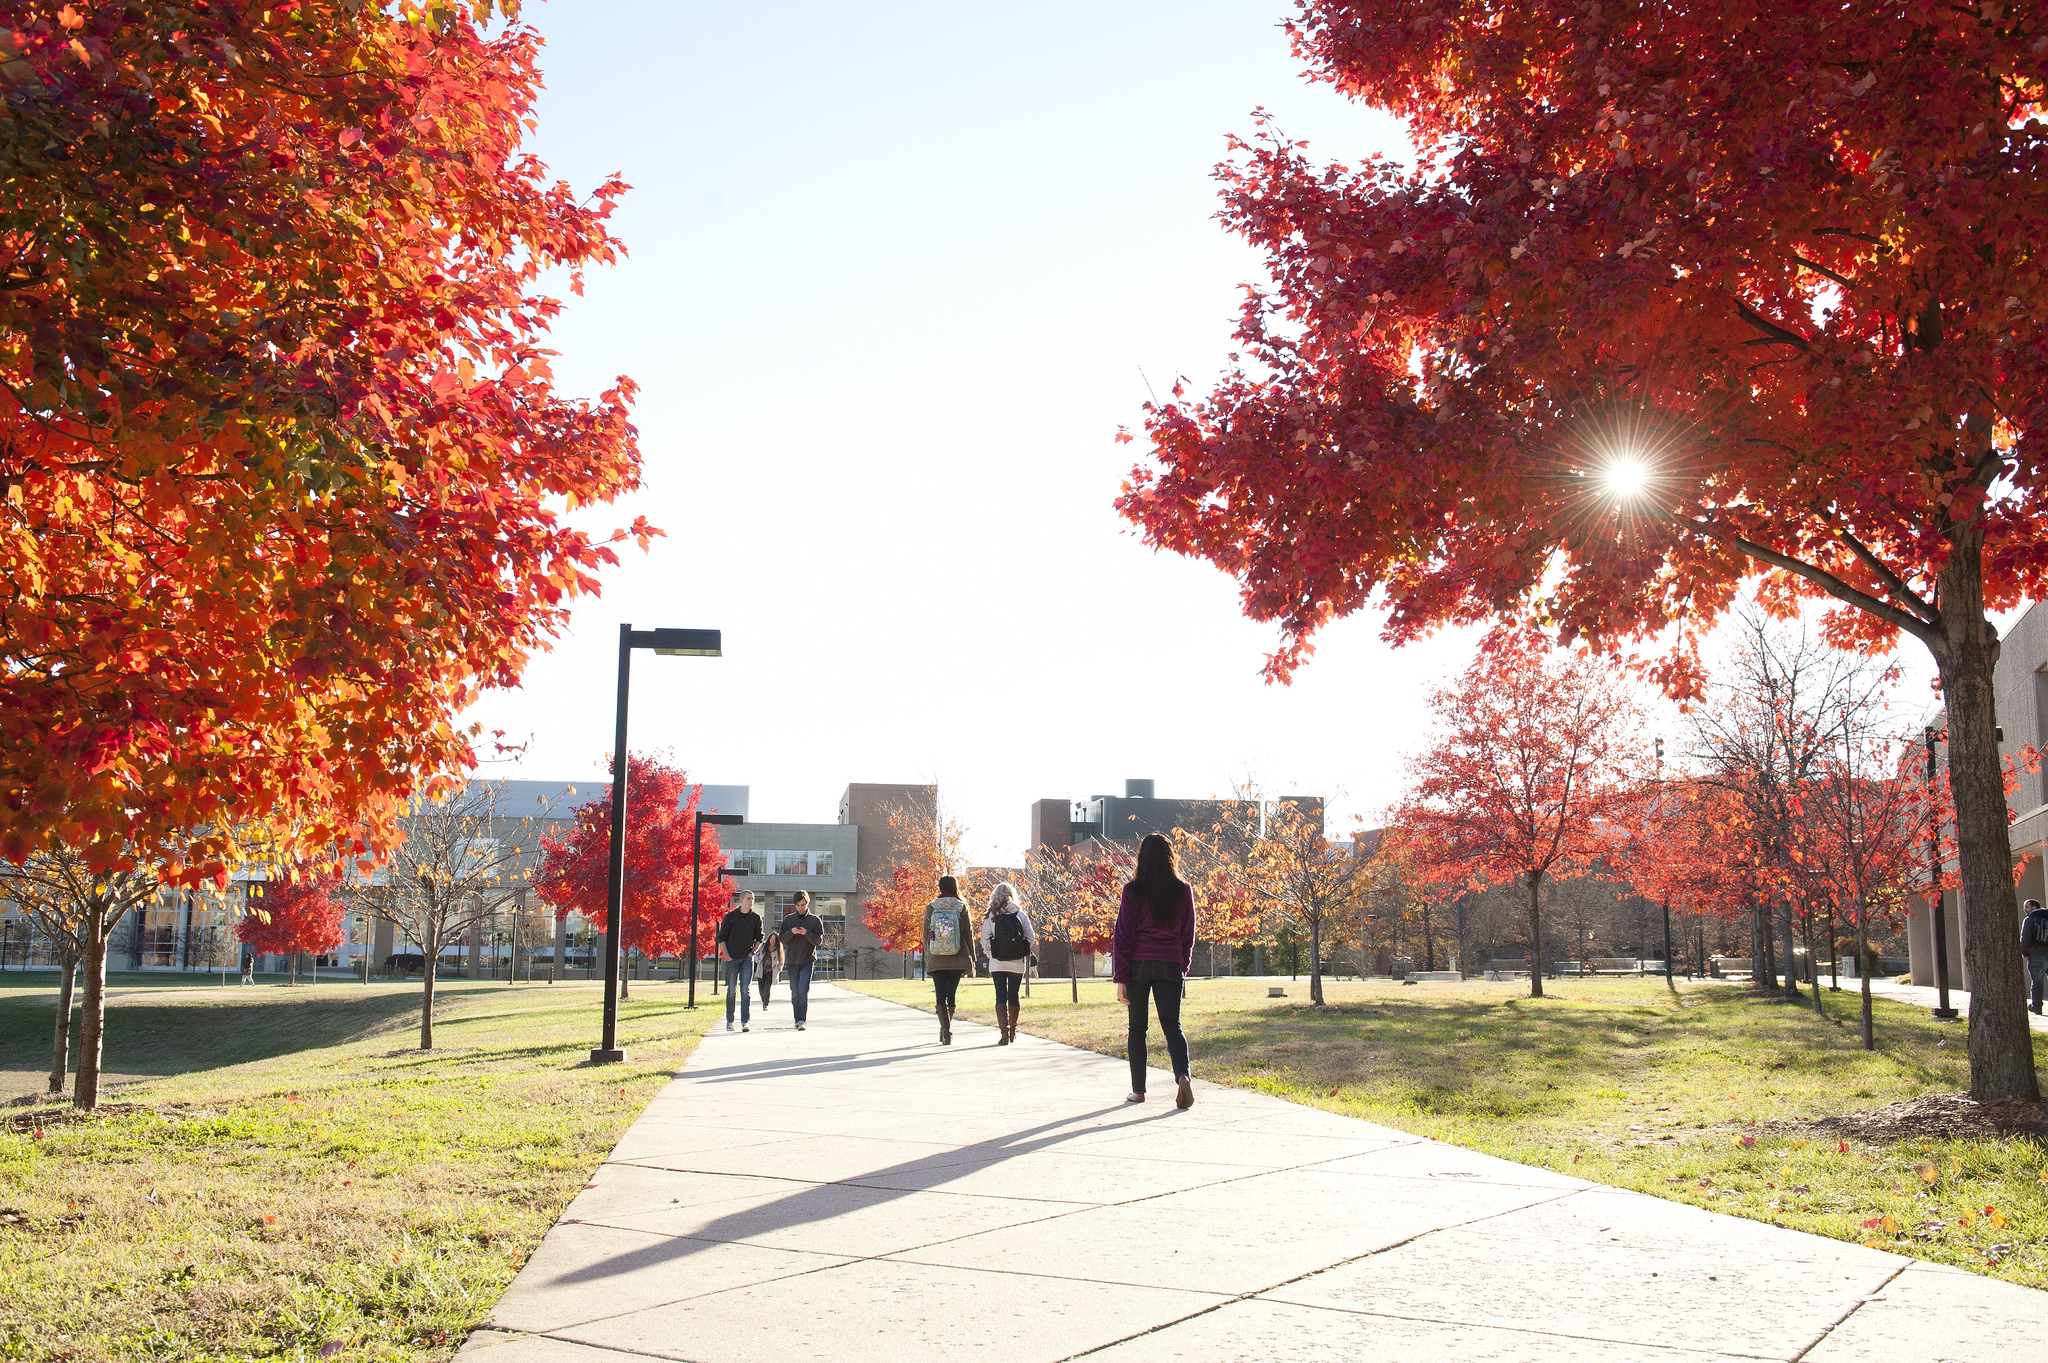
(1153, 947)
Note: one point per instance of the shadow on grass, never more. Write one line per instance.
(149, 1035)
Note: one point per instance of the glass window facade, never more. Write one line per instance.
(780, 862)
(162, 918)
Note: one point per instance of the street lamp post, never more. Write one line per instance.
(1944, 1013)
(668, 643)
(1667, 898)
(696, 876)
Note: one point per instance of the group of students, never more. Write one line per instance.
(1151, 950)
(751, 956)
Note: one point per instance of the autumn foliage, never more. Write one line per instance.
(1672, 296)
(1532, 767)
(661, 810)
(283, 461)
(296, 913)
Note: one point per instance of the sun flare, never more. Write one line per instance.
(1625, 477)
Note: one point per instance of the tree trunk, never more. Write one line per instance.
(2001, 1047)
(432, 947)
(1863, 973)
(60, 1056)
(1813, 957)
(1791, 951)
(1073, 980)
(1428, 944)
(1535, 936)
(1315, 961)
(92, 1024)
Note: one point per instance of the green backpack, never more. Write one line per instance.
(948, 928)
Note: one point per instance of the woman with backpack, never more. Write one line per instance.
(1007, 939)
(1152, 949)
(948, 951)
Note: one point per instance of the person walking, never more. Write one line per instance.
(948, 951)
(1152, 949)
(801, 933)
(739, 934)
(2034, 946)
(767, 961)
(1007, 939)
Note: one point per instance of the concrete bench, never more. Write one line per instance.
(1614, 965)
(1729, 967)
(1434, 977)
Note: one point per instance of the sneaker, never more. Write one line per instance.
(728, 1024)
(799, 1026)
(1134, 1097)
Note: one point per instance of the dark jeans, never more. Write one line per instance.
(800, 992)
(766, 979)
(1158, 982)
(946, 988)
(739, 979)
(2037, 970)
(1009, 984)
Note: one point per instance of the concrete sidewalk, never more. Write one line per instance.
(856, 1192)
(1926, 996)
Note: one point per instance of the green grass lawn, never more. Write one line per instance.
(1622, 1082)
(283, 1175)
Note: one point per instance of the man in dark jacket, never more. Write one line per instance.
(802, 932)
(739, 932)
(2034, 946)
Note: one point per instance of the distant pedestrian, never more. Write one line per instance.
(739, 934)
(801, 933)
(2034, 946)
(766, 962)
(1152, 951)
(1007, 939)
(948, 951)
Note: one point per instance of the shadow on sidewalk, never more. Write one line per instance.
(855, 1060)
(819, 1201)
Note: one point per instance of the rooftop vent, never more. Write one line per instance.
(1138, 790)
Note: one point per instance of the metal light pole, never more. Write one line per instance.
(1944, 1013)
(1667, 898)
(696, 876)
(670, 643)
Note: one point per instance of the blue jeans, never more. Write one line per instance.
(799, 977)
(739, 984)
(1009, 984)
(2037, 971)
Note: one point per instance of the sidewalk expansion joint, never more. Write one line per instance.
(1854, 1307)
(1313, 1272)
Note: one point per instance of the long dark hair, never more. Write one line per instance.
(1154, 882)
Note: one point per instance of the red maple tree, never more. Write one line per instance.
(284, 467)
(296, 912)
(1529, 774)
(1668, 300)
(661, 810)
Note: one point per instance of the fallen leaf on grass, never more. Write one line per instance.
(1928, 1172)
(1745, 1141)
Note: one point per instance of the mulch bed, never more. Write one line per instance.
(1947, 1115)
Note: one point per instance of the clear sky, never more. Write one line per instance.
(896, 270)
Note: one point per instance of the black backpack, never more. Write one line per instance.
(1009, 942)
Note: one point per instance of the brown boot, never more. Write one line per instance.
(1015, 1011)
(945, 1026)
(1002, 1024)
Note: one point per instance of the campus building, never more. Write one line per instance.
(194, 931)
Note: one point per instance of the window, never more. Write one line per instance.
(821, 863)
(751, 860)
(792, 863)
(160, 919)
